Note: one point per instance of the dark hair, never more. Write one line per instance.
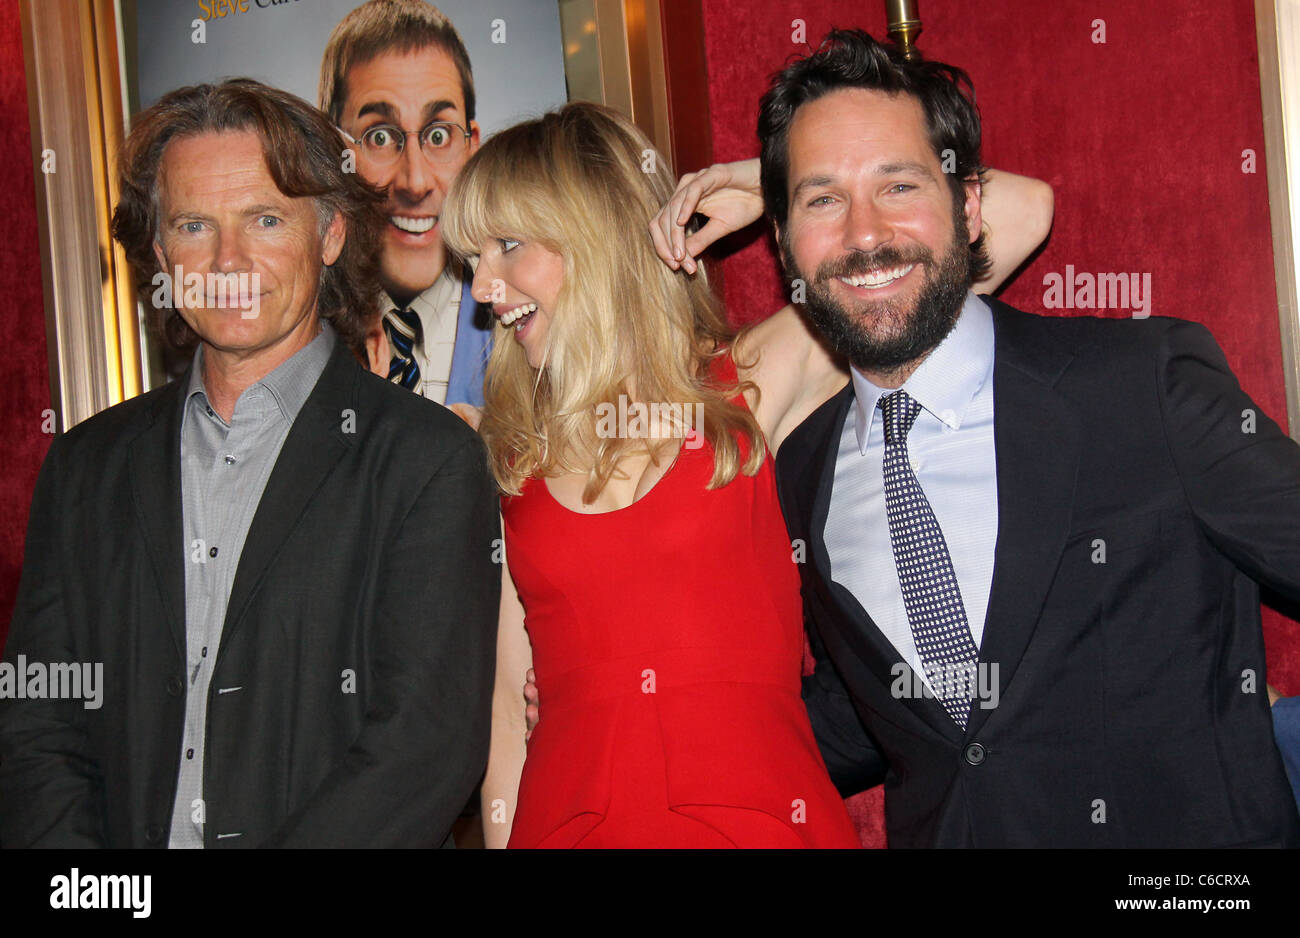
(850, 58)
(381, 26)
(304, 153)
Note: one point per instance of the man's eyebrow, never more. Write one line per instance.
(385, 110)
(261, 208)
(382, 108)
(434, 108)
(884, 169)
(811, 182)
(186, 215)
(889, 169)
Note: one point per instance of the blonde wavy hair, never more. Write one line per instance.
(584, 182)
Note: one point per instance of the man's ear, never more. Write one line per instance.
(473, 137)
(972, 209)
(159, 256)
(335, 235)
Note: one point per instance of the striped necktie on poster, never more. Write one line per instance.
(931, 594)
(404, 332)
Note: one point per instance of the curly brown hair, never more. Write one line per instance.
(306, 157)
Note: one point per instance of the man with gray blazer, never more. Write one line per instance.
(281, 564)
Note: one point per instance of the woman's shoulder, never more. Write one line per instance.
(781, 333)
(787, 363)
(779, 353)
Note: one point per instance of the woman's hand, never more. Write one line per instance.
(727, 193)
(532, 703)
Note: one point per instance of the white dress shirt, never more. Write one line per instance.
(952, 452)
(438, 308)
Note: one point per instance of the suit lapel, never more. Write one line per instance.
(820, 476)
(315, 443)
(155, 472)
(1037, 437)
(801, 462)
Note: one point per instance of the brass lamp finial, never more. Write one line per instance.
(904, 25)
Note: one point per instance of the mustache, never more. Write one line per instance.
(859, 262)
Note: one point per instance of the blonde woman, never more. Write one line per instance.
(643, 537)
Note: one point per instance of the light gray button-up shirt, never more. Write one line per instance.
(224, 469)
(952, 450)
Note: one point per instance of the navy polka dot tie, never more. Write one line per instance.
(403, 328)
(930, 591)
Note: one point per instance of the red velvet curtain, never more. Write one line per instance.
(1141, 137)
(24, 369)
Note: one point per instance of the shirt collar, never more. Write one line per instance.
(949, 378)
(292, 381)
(439, 297)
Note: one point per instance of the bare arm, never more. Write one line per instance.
(1017, 214)
(500, 790)
(793, 371)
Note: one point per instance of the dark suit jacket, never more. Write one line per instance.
(370, 553)
(1132, 704)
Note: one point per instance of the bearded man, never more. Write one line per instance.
(1035, 544)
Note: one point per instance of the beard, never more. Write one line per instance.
(885, 335)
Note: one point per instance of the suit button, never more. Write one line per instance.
(974, 753)
(153, 834)
(175, 687)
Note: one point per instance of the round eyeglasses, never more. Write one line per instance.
(440, 142)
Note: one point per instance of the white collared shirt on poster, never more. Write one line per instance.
(438, 308)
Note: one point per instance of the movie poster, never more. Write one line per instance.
(515, 47)
(517, 57)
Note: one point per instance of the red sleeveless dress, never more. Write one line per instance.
(667, 640)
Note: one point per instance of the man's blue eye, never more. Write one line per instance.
(192, 227)
(269, 221)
